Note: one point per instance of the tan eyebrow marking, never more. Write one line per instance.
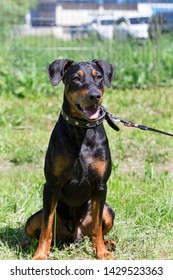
(80, 73)
(94, 73)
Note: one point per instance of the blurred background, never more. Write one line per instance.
(135, 35)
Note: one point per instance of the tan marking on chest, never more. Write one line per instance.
(99, 166)
(61, 162)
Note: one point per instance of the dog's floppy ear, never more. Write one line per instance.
(107, 69)
(57, 69)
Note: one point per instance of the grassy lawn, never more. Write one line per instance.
(140, 189)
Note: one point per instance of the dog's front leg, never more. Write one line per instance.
(97, 204)
(49, 206)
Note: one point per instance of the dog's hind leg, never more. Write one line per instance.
(33, 224)
(107, 223)
(107, 219)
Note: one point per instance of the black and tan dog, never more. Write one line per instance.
(78, 162)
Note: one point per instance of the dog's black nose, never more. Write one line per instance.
(94, 96)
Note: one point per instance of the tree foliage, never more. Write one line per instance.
(13, 11)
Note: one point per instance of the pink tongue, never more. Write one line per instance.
(92, 112)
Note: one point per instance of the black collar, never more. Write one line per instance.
(84, 124)
(88, 124)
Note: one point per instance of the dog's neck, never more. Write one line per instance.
(84, 123)
(76, 122)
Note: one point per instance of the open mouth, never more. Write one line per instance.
(91, 112)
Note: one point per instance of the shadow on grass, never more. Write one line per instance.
(16, 240)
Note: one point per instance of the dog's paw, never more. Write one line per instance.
(110, 245)
(39, 256)
(105, 255)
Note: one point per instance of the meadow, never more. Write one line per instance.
(140, 189)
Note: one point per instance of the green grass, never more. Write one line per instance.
(140, 189)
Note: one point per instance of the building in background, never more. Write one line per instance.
(64, 18)
(78, 12)
(44, 14)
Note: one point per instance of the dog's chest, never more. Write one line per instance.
(85, 173)
(81, 162)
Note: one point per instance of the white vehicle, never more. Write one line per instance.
(104, 26)
(134, 27)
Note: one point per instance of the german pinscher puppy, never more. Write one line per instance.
(78, 162)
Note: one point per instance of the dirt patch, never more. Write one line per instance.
(5, 166)
(138, 166)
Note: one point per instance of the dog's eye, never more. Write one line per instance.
(76, 79)
(99, 77)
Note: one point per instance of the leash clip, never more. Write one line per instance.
(128, 123)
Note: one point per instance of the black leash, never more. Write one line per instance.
(111, 121)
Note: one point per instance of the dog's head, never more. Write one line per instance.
(84, 84)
